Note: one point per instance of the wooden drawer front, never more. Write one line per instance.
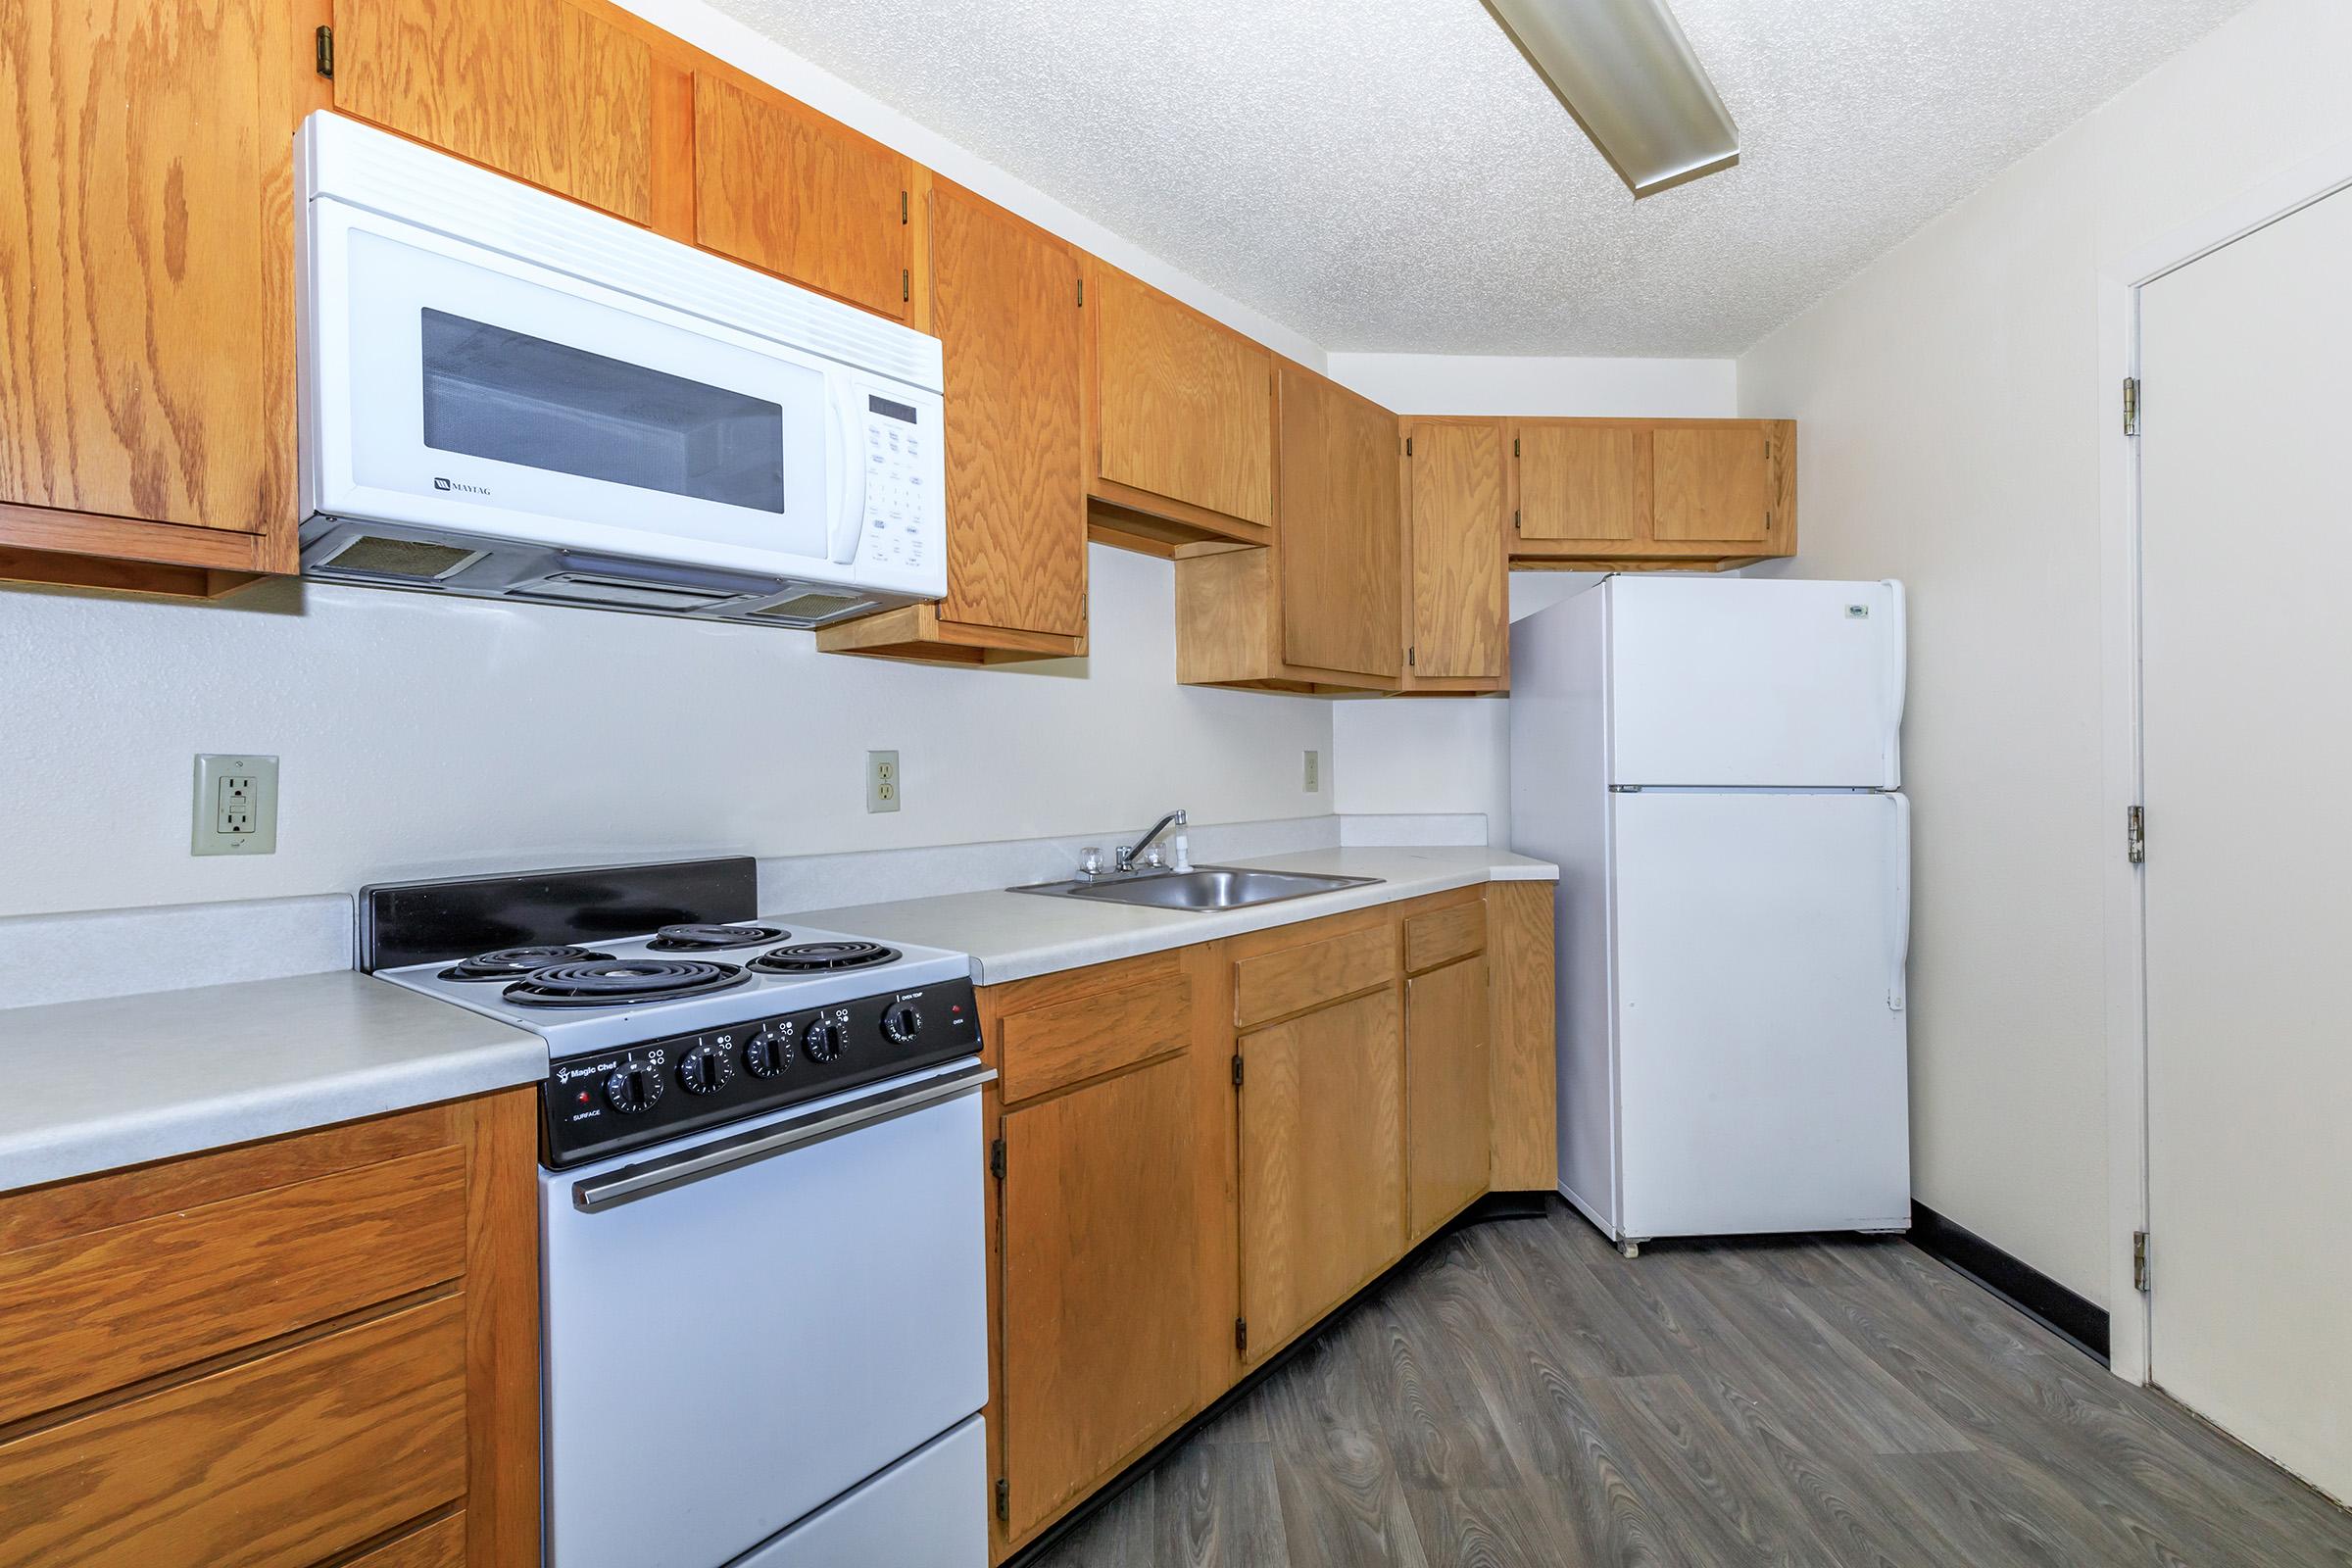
(276, 1463)
(91, 1312)
(1442, 936)
(1079, 1039)
(1273, 984)
(440, 1545)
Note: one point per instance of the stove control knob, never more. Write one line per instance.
(632, 1089)
(902, 1023)
(706, 1070)
(770, 1051)
(822, 1040)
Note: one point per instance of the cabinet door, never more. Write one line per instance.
(1584, 481)
(1098, 1322)
(1004, 303)
(1459, 518)
(780, 186)
(146, 262)
(539, 89)
(1341, 530)
(1184, 408)
(1448, 1110)
(1322, 1162)
(1713, 482)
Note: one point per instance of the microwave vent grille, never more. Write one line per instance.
(811, 606)
(413, 560)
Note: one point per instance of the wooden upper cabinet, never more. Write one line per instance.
(146, 306)
(1183, 417)
(1342, 534)
(540, 89)
(781, 186)
(1457, 517)
(1102, 1295)
(1678, 492)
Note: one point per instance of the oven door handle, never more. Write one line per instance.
(633, 1182)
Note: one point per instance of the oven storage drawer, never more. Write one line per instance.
(765, 1334)
(929, 1510)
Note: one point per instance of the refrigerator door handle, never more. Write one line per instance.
(1897, 986)
(1899, 677)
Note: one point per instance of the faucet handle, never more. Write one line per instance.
(1090, 861)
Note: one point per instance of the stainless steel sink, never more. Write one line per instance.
(1204, 887)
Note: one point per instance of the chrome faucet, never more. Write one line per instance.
(1123, 858)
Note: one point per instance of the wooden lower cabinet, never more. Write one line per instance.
(1201, 1152)
(322, 1347)
(1523, 1050)
(1322, 1148)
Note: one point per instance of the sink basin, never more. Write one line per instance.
(1204, 887)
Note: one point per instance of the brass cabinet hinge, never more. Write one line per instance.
(1408, 657)
(1236, 1069)
(902, 207)
(1004, 1500)
(905, 284)
(2131, 404)
(323, 47)
(2140, 1261)
(1514, 445)
(996, 1159)
(1514, 520)
(1408, 446)
(1082, 293)
(1241, 1336)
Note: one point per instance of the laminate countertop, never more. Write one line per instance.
(1012, 936)
(98, 1085)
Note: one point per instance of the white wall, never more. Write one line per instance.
(418, 736)
(1952, 401)
(1446, 754)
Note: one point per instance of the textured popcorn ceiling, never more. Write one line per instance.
(1389, 174)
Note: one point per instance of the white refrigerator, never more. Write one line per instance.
(1713, 764)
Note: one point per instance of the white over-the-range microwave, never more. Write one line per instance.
(507, 395)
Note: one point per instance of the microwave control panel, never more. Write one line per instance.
(902, 537)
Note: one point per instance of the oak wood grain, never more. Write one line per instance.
(276, 1463)
(781, 186)
(1523, 1050)
(1342, 530)
(502, 1329)
(543, 90)
(1312, 972)
(1322, 1161)
(1183, 404)
(146, 256)
(1583, 481)
(1441, 935)
(439, 1544)
(1713, 483)
(1448, 1098)
(90, 1312)
(1099, 1281)
(1458, 526)
(1048, 1048)
(1004, 305)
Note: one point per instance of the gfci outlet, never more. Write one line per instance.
(881, 781)
(1314, 771)
(236, 806)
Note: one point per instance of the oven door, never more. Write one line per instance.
(451, 386)
(744, 1325)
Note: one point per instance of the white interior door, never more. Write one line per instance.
(1761, 940)
(1770, 683)
(2247, 658)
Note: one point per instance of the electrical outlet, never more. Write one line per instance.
(881, 781)
(236, 806)
(1314, 771)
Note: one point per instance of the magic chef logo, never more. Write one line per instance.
(459, 487)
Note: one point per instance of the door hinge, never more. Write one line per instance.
(1082, 293)
(1514, 445)
(1408, 446)
(323, 43)
(996, 1159)
(2131, 404)
(1241, 1336)
(1408, 657)
(1004, 1500)
(1514, 520)
(902, 207)
(2140, 1261)
(1236, 1069)
(905, 284)
(2136, 834)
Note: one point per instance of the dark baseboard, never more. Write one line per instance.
(2072, 1317)
(1494, 1206)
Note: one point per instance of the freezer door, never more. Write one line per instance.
(1735, 683)
(1760, 947)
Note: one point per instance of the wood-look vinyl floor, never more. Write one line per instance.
(1523, 1397)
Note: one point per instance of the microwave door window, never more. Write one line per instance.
(493, 392)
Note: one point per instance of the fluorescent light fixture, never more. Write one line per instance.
(1627, 73)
